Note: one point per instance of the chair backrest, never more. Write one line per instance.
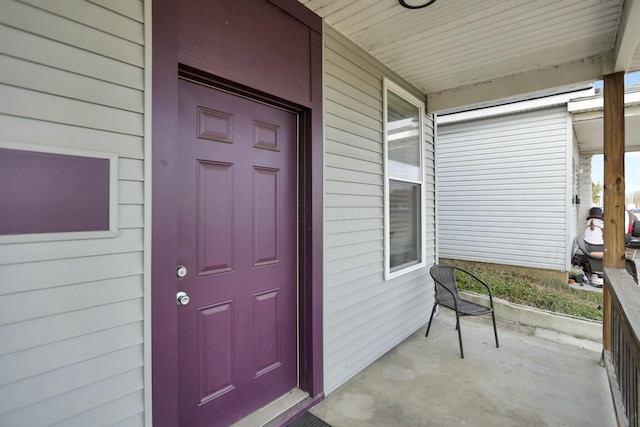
(594, 247)
(582, 245)
(595, 261)
(587, 247)
(445, 281)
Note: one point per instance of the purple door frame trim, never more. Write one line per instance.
(164, 212)
(164, 235)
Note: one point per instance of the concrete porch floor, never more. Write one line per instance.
(535, 378)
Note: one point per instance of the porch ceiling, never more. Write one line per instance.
(590, 140)
(464, 52)
(588, 124)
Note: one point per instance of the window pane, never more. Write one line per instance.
(403, 138)
(404, 222)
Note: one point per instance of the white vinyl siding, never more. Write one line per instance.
(504, 189)
(71, 323)
(364, 315)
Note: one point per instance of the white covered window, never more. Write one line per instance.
(403, 142)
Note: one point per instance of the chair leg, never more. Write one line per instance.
(495, 330)
(430, 319)
(459, 334)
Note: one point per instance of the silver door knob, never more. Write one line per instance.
(182, 271)
(182, 298)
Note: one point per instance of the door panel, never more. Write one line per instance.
(265, 219)
(237, 239)
(216, 350)
(214, 216)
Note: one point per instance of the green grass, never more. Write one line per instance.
(527, 290)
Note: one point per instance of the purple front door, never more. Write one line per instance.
(237, 239)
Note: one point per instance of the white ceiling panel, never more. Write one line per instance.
(590, 135)
(588, 126)
(461, 52)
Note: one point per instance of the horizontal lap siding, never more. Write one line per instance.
(71, 327)
(503, 191)
(364, 316)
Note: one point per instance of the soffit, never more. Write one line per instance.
(589, 135)
(588, 124)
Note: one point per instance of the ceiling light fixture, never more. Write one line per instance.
(412, 5)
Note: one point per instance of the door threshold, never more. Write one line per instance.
(268, 413)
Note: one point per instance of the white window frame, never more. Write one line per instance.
(388, 85)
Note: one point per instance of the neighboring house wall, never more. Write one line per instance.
(364, 315)
(504, 189)
(71, 322)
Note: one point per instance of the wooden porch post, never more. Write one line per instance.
(614, 200)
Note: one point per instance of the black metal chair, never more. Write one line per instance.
(447, 296)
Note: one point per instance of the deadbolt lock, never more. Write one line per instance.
(182, 271)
